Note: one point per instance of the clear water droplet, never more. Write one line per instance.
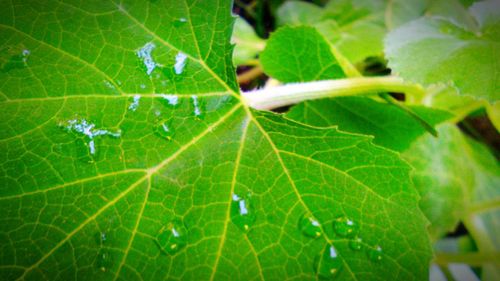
(104, 260)
(356, 243)
(14, 57)
(145, 54)
(172, 237)
(328, 264)
(345, 227)
(171, 99)
(309, 226)
(180, 22)
(163, 129)
(180, 63)
(198, 107)
(101, 238)
(135, 103)
(242, 213)
(375, 254)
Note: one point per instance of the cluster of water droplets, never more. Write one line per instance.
(145, 55)
(88, 130)
(328, 264)
(104, 259)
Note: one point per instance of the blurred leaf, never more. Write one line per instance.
(248, 44)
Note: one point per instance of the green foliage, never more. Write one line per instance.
(128, 151)
(299, 54)
(449, 49)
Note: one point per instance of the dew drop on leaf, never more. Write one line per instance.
(328, 264)
(180, 63)
(345, 227)
(104, 260)
(163, 129)
(356, 243)
(197, 107)
(87, 130)
(135, 103)
(180, 22)
(172, 237)
(171, 99)
(242, 213)
(101, 238)
(375, 254)
(145, 55)
(14, 57)
(309, 226)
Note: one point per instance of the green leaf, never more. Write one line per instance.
(298, 13)
(458, 179)
(299, 54)
(429, 50)
(248, 44)
(356, 37)
(126, 153)
(392, 127)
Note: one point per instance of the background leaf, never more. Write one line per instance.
(391, 127)
(437, 49)
(299, 54)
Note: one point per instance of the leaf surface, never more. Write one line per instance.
(126, 153)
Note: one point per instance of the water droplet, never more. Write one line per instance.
(198, 107)
(375, 254)
(356, 243)
(100, 238)
(310, 226)
(180, 22)
(180, 63)
(171, 99)
(328, 264)
(164, 129)
(104, 260)
(145, 54)
(242, 213)
(14, 57)
(345, 227)
(109, 85)
(88, 130)
(135, 103)
(172, 237)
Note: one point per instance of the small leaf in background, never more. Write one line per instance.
(299, 53)
(248, 44)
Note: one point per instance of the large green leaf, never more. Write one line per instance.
(442, 49)
(126, 153)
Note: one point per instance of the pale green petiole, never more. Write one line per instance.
(275, 97)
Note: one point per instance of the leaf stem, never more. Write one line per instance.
(473, 259)
(270, 98)
(484, 206)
